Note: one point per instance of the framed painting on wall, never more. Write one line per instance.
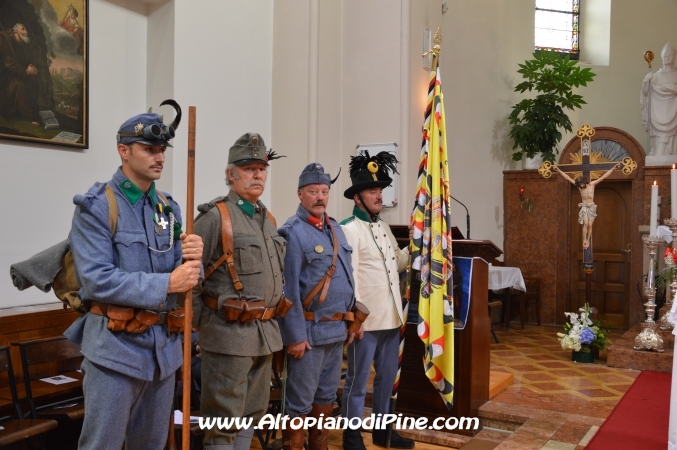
(43, 71)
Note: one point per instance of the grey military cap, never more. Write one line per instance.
(313, 173)
(249, 148)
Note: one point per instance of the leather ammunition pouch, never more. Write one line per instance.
(137, 320)
(360, 312)
(248, 311)
(175, 320)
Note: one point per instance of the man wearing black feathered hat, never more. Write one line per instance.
(377, 261)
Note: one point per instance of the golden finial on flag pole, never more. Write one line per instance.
(437, 40)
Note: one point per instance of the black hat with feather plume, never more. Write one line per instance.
(368, 172)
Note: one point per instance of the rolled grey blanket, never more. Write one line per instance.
(39, 270)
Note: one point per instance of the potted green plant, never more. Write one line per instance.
(536, 122)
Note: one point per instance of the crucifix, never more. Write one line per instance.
(588, 169)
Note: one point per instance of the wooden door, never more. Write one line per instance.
(611, 235)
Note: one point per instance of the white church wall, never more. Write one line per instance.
(160, 79)
(222, 65)
(483, 42)
(38, 181)
(290, 98)
(613, 98)
(353, 79)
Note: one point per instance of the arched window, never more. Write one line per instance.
(556, 26)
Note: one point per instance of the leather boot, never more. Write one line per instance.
(396, 441)
(317, 437)
(352, 440)
(293, 439)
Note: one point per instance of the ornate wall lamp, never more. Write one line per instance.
(525, 203)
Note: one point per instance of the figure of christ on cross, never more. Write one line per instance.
(588, 211)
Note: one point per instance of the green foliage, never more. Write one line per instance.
(536, 121)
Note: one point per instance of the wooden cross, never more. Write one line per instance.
(591, 167)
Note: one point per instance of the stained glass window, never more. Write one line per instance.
(557, 26)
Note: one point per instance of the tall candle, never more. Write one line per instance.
(653, 223)
(673, 191)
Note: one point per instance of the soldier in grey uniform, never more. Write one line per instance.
(237, 340)
(318, 255)
(135, 271)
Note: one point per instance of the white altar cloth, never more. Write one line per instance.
(505, 277)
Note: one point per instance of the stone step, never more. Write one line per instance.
(622, 353)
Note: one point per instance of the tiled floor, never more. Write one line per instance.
(554, 403)
(560, 403)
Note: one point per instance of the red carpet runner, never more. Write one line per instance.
(640, 419)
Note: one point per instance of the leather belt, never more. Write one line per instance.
(234, 311)
(348, 317)
(101, 309)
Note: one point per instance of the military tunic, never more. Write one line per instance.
(236, 361)
(377, 261)
(315, 377)
(124, 372)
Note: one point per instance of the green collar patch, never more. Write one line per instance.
(134, 194)
(245, 206)
(362, 215)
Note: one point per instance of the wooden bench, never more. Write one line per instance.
(16, 428)
(49, 358)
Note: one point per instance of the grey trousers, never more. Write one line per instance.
(233, 386)
(314, 378)
(381, 347)
(121, 409)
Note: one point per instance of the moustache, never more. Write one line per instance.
(254, 183)
(320, 204)
(156, 166)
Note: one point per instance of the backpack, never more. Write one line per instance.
(65, 285)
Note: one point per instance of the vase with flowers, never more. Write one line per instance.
(582, 335)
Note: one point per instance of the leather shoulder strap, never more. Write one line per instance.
(326, 279)
(271, 218)
(112, 209)
(227, 247)
(162, 197)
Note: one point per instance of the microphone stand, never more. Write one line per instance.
(467, 217)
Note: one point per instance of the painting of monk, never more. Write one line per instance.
(43, 71)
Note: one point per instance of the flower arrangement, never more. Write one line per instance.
(583, 333)
(670, 271)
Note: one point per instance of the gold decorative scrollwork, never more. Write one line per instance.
(546, 169)
(585, 131)
(628, 165)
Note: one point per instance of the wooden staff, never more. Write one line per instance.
(188, 306)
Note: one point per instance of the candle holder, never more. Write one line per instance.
(648, 338)
(664, 322)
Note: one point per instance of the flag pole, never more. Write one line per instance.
(188, 304)
(405, 307)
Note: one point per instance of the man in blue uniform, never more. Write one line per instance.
(319, 281)
(129, 278)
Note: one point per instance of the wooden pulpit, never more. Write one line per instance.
(417, 397)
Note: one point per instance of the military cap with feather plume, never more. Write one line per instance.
(368, 172)
(250, 148)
